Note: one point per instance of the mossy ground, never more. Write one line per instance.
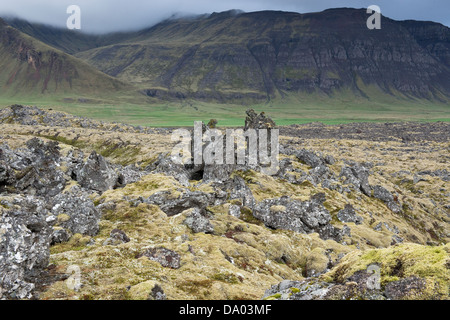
(402, 261)
(242, 258)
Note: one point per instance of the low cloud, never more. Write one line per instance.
(101, 16)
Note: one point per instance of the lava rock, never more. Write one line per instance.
(165, 257)
(303, 217)
(399, 290)
(348, 214)
(24, 252)
(97, 174)
(157, 293)
(76, 212)
(384, 195)
(358, 176)
(197, 222)
(189, 199)
(116, 237)
(255, 121)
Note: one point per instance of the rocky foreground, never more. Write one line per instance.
(90, 210)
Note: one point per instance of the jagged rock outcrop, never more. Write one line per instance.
(348, 214)
(36, 166)
(198, 222)
(187, 200)
(157, 293)
(303, 217)
(357, 175)
(7, 176)
(167, 165)
(96, 174)
(24, 251)
(384, 195)
(258, 121)
(358, 287)
(76, 213)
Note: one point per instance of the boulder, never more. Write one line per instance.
(255, 121)
(96, 174)
(348, 214)
(357, 175)
(116, 237)
(24, 252)
(76, 212)
(300, 216)
(198, 222)
(384, 195)
(187, 200)
(165, 257)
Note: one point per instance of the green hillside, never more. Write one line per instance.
(32, 69)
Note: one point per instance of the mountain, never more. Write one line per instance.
(260, 56)
(267, 56)
(29, 67)
(69, 41)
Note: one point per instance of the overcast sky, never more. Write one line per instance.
(100, 16)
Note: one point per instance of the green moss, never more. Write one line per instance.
(226, 277)
(70, 142)
(195, 286)
(307, 184)
(399, 262)
(4, 206)
(77, 242)
(247, 216)
(273, 297)
(63, 218)
(295, 290)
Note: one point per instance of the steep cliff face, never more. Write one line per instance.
(433, 37)
(264, 55)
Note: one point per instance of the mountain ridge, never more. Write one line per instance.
(287, 53)
(30, 67)
(239, 57)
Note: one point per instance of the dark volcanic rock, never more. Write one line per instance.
(129, 174)
(417, 131)
(157, 293)
(358, 176)
(398, 290)
(166, 164)
(37, 169)
(7, 176)
(309, 157)
(384, 195)
(237, 189)
(255, 121)
(116, 237)
(198, 222)
(81, 216)
(303, 217)
(357, 288)
(165, 257)
(189, 199)
(97, 174)
(24, 252)
(348, 214)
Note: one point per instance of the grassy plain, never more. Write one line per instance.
(137, 110)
